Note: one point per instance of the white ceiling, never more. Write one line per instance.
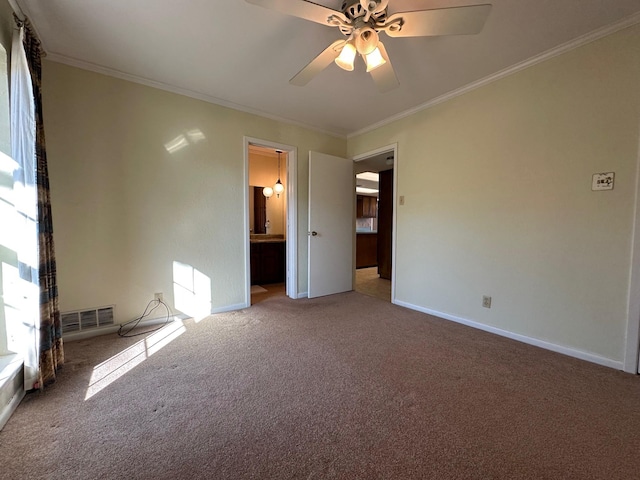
(237, 54)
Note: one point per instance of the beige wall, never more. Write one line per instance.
(498, 195)
(125, 208)
(497, 187)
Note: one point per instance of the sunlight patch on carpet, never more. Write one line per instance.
(110, 370)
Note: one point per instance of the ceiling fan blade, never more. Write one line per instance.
(384, 76)
(301, 9)
(318, 64)
(441, 21)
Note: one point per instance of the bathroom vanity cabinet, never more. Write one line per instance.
(267, 261)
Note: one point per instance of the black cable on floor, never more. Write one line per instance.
(134, 323)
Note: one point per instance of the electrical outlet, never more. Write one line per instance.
(158, 296)
(486, 301)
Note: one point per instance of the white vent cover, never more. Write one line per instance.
(81, 320)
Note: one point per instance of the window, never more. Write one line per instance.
(8, 256)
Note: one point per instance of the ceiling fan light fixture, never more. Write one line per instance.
(361, 21)
(374, 60)
(367, 40)
(346, 57)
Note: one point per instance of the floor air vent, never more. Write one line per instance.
(82, 320)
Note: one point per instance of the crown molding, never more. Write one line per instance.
(554, 52)
(92, 67)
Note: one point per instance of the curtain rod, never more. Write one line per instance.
(24, 20)
(17, 10)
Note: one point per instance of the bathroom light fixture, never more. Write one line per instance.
(278, 188)
(267, 192)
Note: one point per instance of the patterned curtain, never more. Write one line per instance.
(51, 349)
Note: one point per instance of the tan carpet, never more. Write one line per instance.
(340, 387)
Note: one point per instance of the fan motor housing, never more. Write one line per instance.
(353, 10)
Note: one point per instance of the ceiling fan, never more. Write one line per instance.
(361, 22)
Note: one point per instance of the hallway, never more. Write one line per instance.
(369, 282)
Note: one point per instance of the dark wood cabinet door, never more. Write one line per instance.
(256, 278)
(366, 250)
(371, 207)
(268, 264)
(359, 206)
(366, 207)
(272, 262)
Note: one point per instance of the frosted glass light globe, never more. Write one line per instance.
(278, 188)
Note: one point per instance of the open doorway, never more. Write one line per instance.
(267, 222)
(374, 224)
(270, 220)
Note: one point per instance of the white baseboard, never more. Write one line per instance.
(572, 352)
(84, 334)
(149, 322)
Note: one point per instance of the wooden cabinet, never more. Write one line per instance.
(366, 207)
(359, 206)
(366, 250)
(267, 262)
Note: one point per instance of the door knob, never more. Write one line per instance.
(314, 233)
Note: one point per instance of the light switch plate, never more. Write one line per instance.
(602, 181)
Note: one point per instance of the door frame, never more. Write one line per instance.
(394, 223)
(632, 341)
(291, 215)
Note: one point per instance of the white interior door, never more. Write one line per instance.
(331, 224)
